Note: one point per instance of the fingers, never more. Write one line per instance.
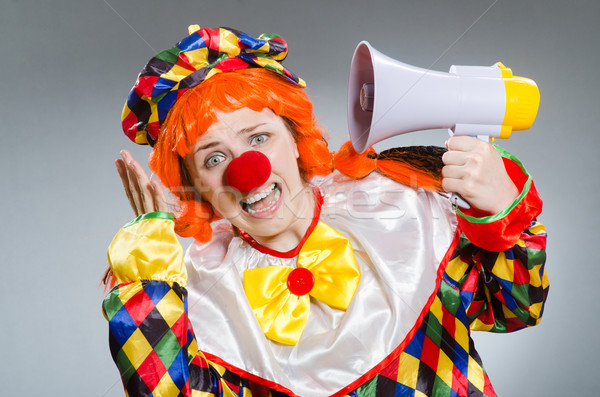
(143, 188)
(474, 169)
(160, 203)
(462, 163)
(462, 143)
(454, 172)
(144, 196)
(453, 185)
(122, 170)
(452, 157)
(135, 185)
(465, 156)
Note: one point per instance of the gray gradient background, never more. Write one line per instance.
(67, 67)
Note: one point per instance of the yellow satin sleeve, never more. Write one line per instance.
(147, 249)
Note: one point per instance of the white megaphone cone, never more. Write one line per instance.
(387, 98)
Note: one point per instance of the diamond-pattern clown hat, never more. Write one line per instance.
(199, 56)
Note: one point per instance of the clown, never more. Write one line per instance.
(311, 274)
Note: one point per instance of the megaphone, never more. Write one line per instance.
(387, 97)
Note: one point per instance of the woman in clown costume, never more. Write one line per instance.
(311, 273)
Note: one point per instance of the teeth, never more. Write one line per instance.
(259, 196)
(275, 199)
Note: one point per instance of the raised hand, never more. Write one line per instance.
(475, 170)
(144, 195)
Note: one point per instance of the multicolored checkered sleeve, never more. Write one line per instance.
(151, 338)
(501, 291)
(152, 343)
(497, 271)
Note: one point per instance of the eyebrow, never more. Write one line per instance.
(207, 146)
(240, 132)
(249, 129)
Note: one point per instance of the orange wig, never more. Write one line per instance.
(193, 114)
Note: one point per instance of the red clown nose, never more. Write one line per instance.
(248, 171)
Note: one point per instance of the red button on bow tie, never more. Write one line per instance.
(300, 281)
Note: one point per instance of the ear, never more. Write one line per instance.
(296, 153)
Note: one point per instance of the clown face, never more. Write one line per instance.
(277, 212)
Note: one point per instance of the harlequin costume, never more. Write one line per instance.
(420, 278)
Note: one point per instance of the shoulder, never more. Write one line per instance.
(377, 194)
(388, 220)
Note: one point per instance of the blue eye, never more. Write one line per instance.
(258, 139)
(214, 160)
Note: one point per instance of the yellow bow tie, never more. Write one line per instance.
(279, 295)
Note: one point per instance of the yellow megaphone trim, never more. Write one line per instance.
(522, 102)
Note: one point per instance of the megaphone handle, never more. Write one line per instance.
(457, 200)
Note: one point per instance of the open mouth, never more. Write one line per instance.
(262, 201)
